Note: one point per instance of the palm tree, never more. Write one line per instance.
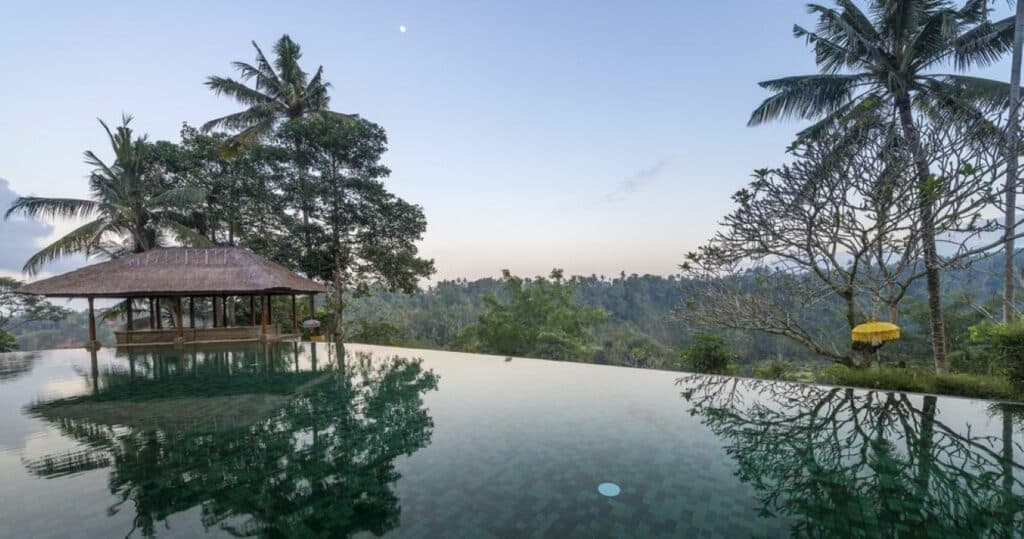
(1013, 149)
(885, 61)
(127, 205)
(280, 91)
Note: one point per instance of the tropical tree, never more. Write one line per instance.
(885, 60)
(129, 205)
(1012, 152)
(540, 319)
(280, 91)
(359, 233)
(17, 309)
(838, 228)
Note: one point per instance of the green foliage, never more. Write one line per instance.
(775, 369)
(970, 361)
(624, 345)
(922, 381)
(708, 354)
(539, 319)
(8, 342)
(380, 332)
(16, 310)
(1006, 342)
(350, 230)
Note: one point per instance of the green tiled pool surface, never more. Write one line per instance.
(292, 441)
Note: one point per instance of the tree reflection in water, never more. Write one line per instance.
(303, 453)
(842, 463)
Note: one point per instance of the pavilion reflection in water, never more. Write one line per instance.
(261, 446)
(840, 462)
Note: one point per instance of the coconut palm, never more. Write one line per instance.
(886, 60)
(1012, 146)
(280, 91)
(128, 205)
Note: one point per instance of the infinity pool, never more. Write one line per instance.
(290, 440)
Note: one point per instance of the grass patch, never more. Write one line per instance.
(922, 381)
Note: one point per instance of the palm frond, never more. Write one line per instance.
(268, 79)
(287, 55)
(266, 112)
(984, 44)
(180, 197)
(842, 39)
(984, 94)
(52, 208)
(806, 96)
(962, 102)
(247, 136)
(80, 240)
(236, 90)
(855, 115)
(186, 235)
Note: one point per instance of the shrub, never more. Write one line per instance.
(8, 343)
(708, 354)
(922, 381)
(1006, 341)
(890, 378)
(775, 369)
(382, 333)
(970, 361)
(975, 385)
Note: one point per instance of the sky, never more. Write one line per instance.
(593, 137)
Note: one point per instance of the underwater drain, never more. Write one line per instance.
(609, 489)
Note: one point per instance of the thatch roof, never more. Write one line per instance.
(177, 271)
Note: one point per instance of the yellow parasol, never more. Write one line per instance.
(875, 333)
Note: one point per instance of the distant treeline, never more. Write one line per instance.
(640, 328)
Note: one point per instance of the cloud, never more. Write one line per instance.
(19, 237)
(636, 182)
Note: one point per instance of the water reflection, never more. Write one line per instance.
(841, 463)
(13, 365)
(260, 446)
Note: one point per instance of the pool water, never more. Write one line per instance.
(298, 441)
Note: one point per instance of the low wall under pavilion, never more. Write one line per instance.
(202, 335)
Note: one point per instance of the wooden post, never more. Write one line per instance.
(295, 316)
(129, 322)
(270, 311)
(191, 312)
(224, 310)
(92, 325)
(263, 315)
(159, 315)
(213, 311)
(152, 314)
(312, 307)
(95, 368)
(252, 310)
(178, 323)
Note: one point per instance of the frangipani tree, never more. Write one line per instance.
(892, 58)
(835, 235)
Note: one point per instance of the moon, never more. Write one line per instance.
(401, 28)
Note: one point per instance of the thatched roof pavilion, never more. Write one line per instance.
(178, 273)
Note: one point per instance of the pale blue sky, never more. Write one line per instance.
(592, 137)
